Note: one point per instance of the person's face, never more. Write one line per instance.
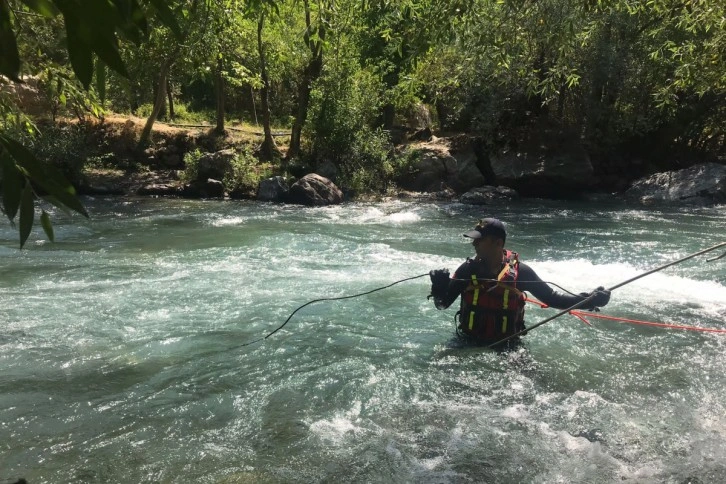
(488, 247)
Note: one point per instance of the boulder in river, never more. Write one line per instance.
(315, 190)
(702, 184)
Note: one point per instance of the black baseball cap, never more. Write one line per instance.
(486, 227)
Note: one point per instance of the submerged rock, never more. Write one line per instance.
(315, 190)
(702, 184)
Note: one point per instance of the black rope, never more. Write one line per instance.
(327, 299)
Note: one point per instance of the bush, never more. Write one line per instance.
(64, 146)
(370, 167)
(345, 100)
(245, 175)
(191, 166)
(144, 110)
(247, 172)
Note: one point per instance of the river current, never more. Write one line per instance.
(121, 356)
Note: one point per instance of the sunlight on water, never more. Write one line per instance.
(123, 358)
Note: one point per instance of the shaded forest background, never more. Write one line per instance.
(641, 84)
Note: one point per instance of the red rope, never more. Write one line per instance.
(583, 315)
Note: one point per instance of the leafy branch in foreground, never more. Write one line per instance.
(93, 29)
(22, 172)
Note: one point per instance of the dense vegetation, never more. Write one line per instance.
(632, 79)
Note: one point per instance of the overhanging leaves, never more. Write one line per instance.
(46, 176)
(27, 214)
(12, 185)
(43, 7)
(167, 16)
(47, 226)
(79, 51)
(9, 59)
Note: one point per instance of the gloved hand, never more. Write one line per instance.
(602, 297)
(439, 284)
(439, 277)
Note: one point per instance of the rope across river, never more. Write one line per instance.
(570, 310)
(331, 299)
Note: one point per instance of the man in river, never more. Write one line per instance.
(492, 287)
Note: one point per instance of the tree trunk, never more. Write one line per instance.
(158, 101)
(170, 98)
(219, 88)
(310, 75)
(268, 149)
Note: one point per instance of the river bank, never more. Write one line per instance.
(194, 162)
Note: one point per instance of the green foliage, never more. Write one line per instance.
(191, 168)
(20, 170)
(369, 167)
(62, 146)
(144, 111)
(345, 101)
(247, 172)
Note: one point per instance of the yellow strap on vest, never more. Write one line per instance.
(504, 272)
(474, 300)
(505, 298)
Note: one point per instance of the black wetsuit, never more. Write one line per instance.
(527, 281)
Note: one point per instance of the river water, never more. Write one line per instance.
(121, 356)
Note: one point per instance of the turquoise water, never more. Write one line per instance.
(120, 356)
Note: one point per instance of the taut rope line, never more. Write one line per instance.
(628, 281)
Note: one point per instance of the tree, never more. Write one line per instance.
(169, 48)
(268, 149)
(314, 38)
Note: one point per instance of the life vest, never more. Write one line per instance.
(492, 310)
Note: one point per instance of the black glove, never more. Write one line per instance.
(602, 297)
(439, 277)
(439, 283)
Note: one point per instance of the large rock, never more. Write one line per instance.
(443, 163)
(702, 184)
(209, 188)
(315, 190)
(488, 194)
(215, 165)
(273, 189)
(545, 163)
